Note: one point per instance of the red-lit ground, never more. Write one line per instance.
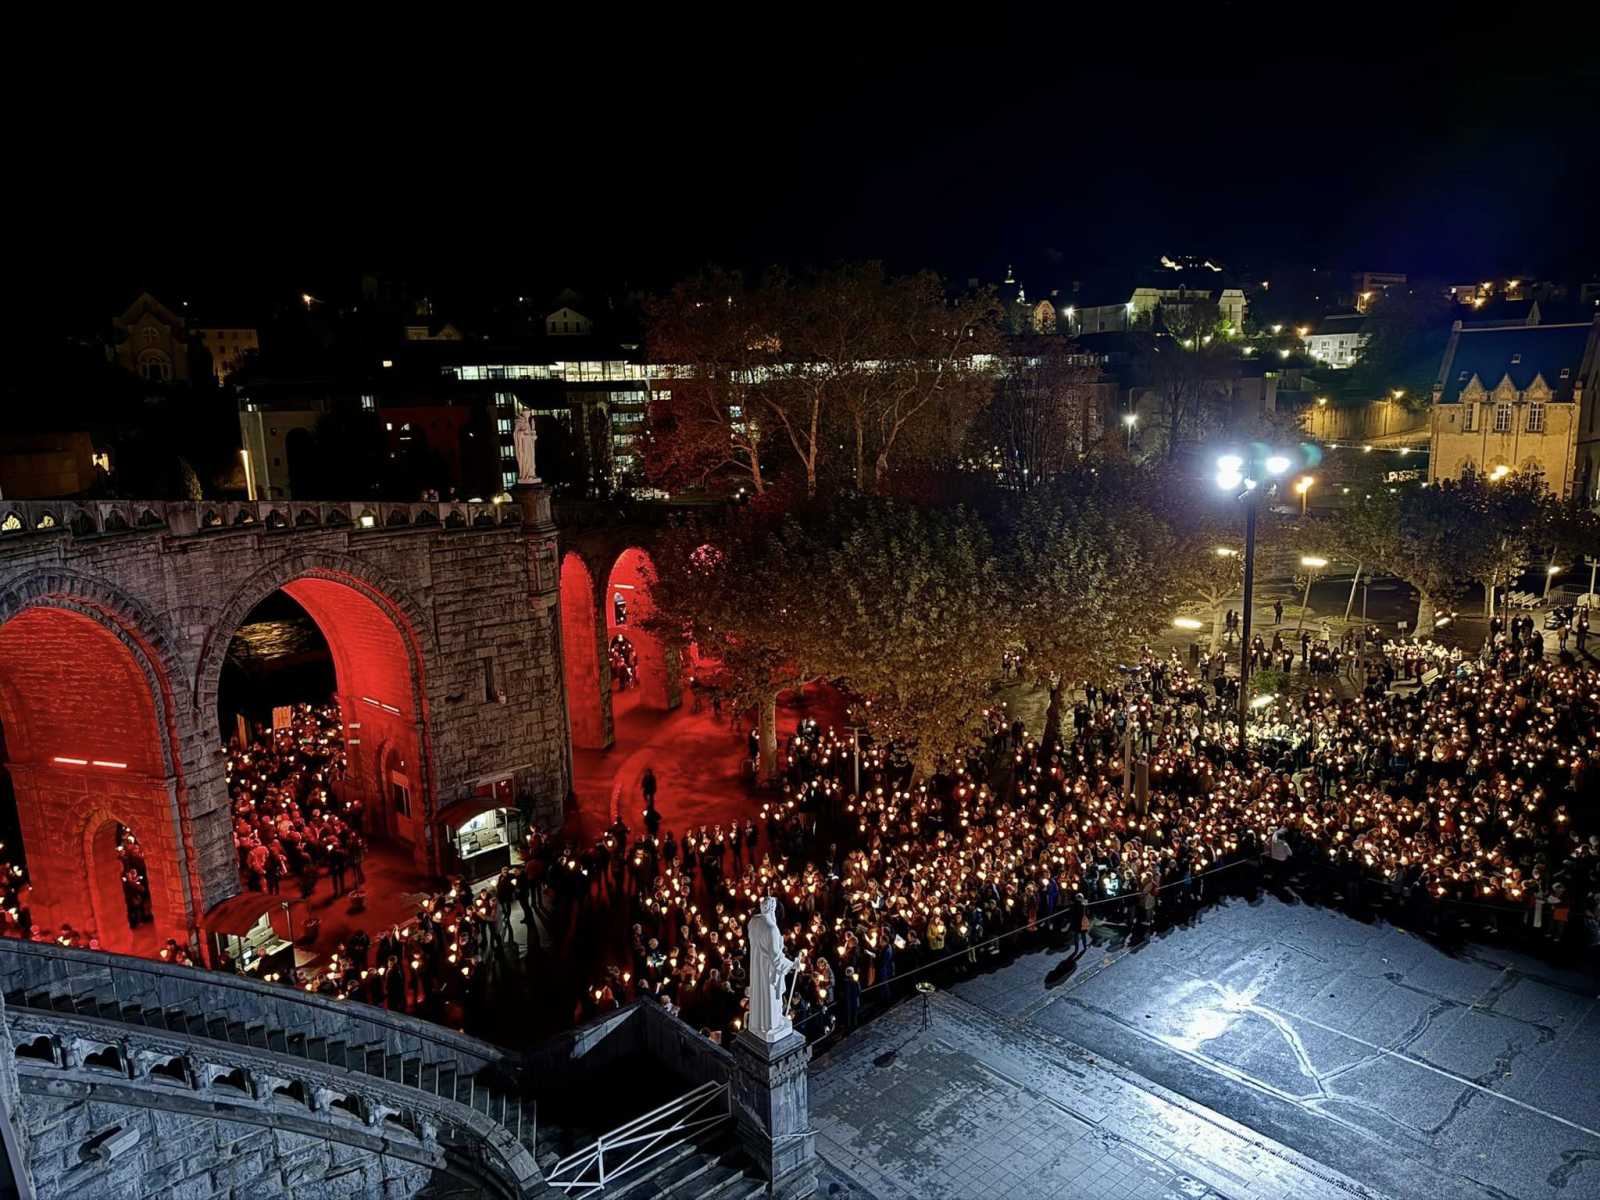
(697, 760)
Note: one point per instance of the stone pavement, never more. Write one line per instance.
(1355, 1043)
(969, 1106)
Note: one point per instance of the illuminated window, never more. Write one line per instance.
(1468, 412)
(503, 424)
(1536, 417)
(1502, 418)
(368, 403)
(507, 478)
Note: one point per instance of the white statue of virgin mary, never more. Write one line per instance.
(524, 440)
(769, 966)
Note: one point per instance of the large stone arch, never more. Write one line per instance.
(381, 643)
(586, 668)
(93, 725)
(631, 574)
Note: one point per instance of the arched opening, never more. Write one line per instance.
(319, 706)
(119, 881)
(584, 667)
(628, 611)
(86, 759)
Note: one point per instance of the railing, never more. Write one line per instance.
(82, 1054)
(66, 972)
(104, 518)
(642, 1140)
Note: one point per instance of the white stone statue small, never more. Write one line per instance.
(769, 967)
(524, 441)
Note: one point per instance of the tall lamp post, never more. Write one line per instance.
(1312, 564)
(1129, 420)
(1231, 478)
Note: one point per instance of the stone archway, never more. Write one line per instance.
(376, 637)
(88, 711)
(628, 609)
(586, 668)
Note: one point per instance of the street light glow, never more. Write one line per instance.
(1277, 329)
(1227, 552)
(1278, 464)
(1311, 560)
(1185, 623)
(1500, 472)
(1262, 701)
(1130, 420)
(1303, 484)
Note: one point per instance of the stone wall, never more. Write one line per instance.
(446, 614)
(88, 1149)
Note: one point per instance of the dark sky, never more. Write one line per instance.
(522, 157)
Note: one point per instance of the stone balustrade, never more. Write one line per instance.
(185, 518)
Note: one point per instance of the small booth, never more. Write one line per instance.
(483, 844)
(260, 952)
(483, 832)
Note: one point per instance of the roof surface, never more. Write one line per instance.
(1524, 352)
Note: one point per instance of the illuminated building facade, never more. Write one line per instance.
(1520, 398)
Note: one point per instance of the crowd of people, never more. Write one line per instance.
(1448, 803)
(288, 821)
(1450, 790)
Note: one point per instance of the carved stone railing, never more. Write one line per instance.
(61, 973)
(183, 518)
(79, 1056)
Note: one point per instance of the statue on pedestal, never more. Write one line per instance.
(769, 967)
(524, 441)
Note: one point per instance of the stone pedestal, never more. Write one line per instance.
(773, 1113)
(534, 500)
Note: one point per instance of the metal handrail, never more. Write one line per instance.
(678, 1119)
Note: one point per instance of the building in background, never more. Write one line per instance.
(36, 466)
(229, 347)
(152, 342)
(1336, 340)
(1367, 287)
(1520, 398)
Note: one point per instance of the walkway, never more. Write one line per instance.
(698, 760)
(956, 1104)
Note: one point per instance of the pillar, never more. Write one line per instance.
(773, 1113)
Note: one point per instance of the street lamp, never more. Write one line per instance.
(1188, 623)
(1499, 473)
(1313, 564)
(1231, 478)
(1303, 486)
(1549, 576)
(1130, 420)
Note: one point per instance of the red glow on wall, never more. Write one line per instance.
(588, 694)
(633, 569)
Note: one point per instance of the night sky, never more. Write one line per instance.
(510, 160)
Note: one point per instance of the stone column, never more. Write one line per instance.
(773, 1113)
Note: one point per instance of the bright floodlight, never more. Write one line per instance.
(1226, 552)
(1311, 560)
(1130, 419)
(1555, 570)
(1500, 472)
(1303, 484)
(1185, 623)
(1278, 464)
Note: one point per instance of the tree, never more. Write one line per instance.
(1512, 519)
(1091, 572)
(1186, 384)
(718, 338)
(1041, 419)
(931, 379)
(1405, 333)
(1425, 536)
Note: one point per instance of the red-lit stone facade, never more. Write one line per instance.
(114, 622)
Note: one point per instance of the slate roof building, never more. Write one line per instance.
(1520, 398)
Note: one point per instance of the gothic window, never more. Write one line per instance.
(1468, 412)
(1536, 417)
(1502, 417)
